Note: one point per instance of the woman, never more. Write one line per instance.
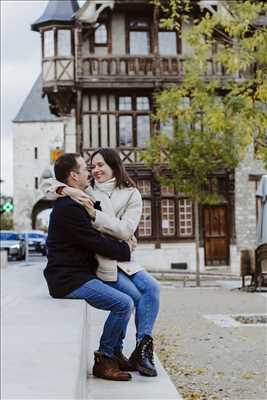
(119, 216)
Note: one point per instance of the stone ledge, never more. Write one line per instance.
(140, 387)
(48, 347)
(45, 344)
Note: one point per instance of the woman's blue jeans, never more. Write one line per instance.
(144, 290)
(140, 290)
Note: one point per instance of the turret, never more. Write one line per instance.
(56, 26)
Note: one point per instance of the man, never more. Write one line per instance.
(70, 272)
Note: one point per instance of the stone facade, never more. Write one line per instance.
(33, 143)
(245, 200)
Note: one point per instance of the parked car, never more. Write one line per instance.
(36, 241)
(14, 243)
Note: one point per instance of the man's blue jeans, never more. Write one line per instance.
(119, 297)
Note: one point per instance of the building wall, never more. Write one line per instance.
(245, 201)
(44, 136)
(161, 259)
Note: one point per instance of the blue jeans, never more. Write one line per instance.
(144, 290)
(119, 297)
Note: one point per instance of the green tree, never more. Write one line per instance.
(215, 116)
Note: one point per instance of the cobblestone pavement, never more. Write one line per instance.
(206, 360)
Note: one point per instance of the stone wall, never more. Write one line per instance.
(245, 200)
(28, 135)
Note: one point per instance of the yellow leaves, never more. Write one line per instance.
(193, 396)
(200, 371)
(219, 375)
(261, 93)
(248, 375)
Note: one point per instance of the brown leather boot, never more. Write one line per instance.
(123, 362)
(107, 368)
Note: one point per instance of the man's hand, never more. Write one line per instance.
(134, 240)
(77, 195)
(132, 243)
(89, 206)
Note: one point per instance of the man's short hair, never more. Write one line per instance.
(65, 164)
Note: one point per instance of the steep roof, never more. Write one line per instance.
(35, 108)
(57, 11)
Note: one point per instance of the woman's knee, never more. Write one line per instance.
(126, 304)
(154, 287)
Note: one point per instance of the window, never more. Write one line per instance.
(168, 217)
(101, 34)
(64, 42)
(143, 129)
(142, 103)
(185, 218)
(125, 103)
(125, 130)
(166, 190)
(176, 214)
(167, 43)
(134, 129)
(35, 153)
(167, 128)
(144, 187)
(49, 44)
(139, 37)
(145, 225)
(116, 120)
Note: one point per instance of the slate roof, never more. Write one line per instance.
(57, 11)
(35, 108)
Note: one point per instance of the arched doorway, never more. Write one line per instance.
(41, 205)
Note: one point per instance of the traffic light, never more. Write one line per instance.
(7, 206)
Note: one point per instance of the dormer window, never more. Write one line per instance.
(139, 36)
(101, 34)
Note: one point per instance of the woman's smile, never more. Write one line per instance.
(100, 170)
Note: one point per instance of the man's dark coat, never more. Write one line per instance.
(72, 243)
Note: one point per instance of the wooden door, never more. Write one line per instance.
(216, 236)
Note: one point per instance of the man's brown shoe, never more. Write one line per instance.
(123, 362)
(107, 368)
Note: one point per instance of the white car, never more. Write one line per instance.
(36, 241)
(14, 243)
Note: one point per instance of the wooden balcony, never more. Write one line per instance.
(129, 66)
(111, 70)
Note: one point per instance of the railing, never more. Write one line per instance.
(147, 66)
(131, 66)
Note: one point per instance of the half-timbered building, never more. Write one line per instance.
(104, 62)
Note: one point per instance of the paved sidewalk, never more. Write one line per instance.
(205, 355)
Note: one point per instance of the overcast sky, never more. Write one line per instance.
(20, 66)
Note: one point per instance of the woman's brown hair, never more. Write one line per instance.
(113, 160)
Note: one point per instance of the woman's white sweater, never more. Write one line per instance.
(120, 216)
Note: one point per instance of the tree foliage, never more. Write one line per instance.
(220, 106)
(227, 110)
